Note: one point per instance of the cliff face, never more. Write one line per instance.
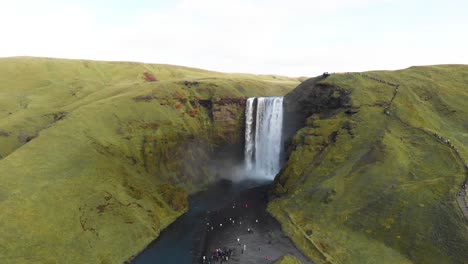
(97, 158)
(370, 176)
(194, 157)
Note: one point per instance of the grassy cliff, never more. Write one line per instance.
(97, 157)
(370, 177)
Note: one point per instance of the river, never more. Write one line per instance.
(215, 219)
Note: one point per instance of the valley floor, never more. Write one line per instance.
(217, 218)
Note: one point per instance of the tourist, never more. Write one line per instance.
(238, 241)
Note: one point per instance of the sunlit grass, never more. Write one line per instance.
(384, 190)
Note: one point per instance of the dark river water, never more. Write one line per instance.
(190, 237)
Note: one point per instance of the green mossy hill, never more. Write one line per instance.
(370, 177)
(96, 158)
(288, 259)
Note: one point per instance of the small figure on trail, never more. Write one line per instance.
(211, 228)
(245, 247)
(221, 225)
(250, 230)
(267, 258)
(256, 220)
(238, 241)
(246, 205)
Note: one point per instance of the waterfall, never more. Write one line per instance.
(263, 126)
(249, 136)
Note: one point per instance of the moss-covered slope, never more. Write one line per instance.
(97, 157)
(288, 259)
(370, 177)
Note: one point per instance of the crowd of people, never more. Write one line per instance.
(220, 255)
(225, 254)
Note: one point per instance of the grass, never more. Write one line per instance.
(288, 259)
(96, 160)
(366, 187)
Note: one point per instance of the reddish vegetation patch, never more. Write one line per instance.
(149, 77)
(193, 112)
(178, 106)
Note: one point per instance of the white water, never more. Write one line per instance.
(263, 147)
(249, 136)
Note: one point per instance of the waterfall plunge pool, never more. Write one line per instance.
(190, 237)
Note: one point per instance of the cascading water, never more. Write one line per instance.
(264, 122)
(249, 135)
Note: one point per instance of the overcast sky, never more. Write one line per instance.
(288, 37)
